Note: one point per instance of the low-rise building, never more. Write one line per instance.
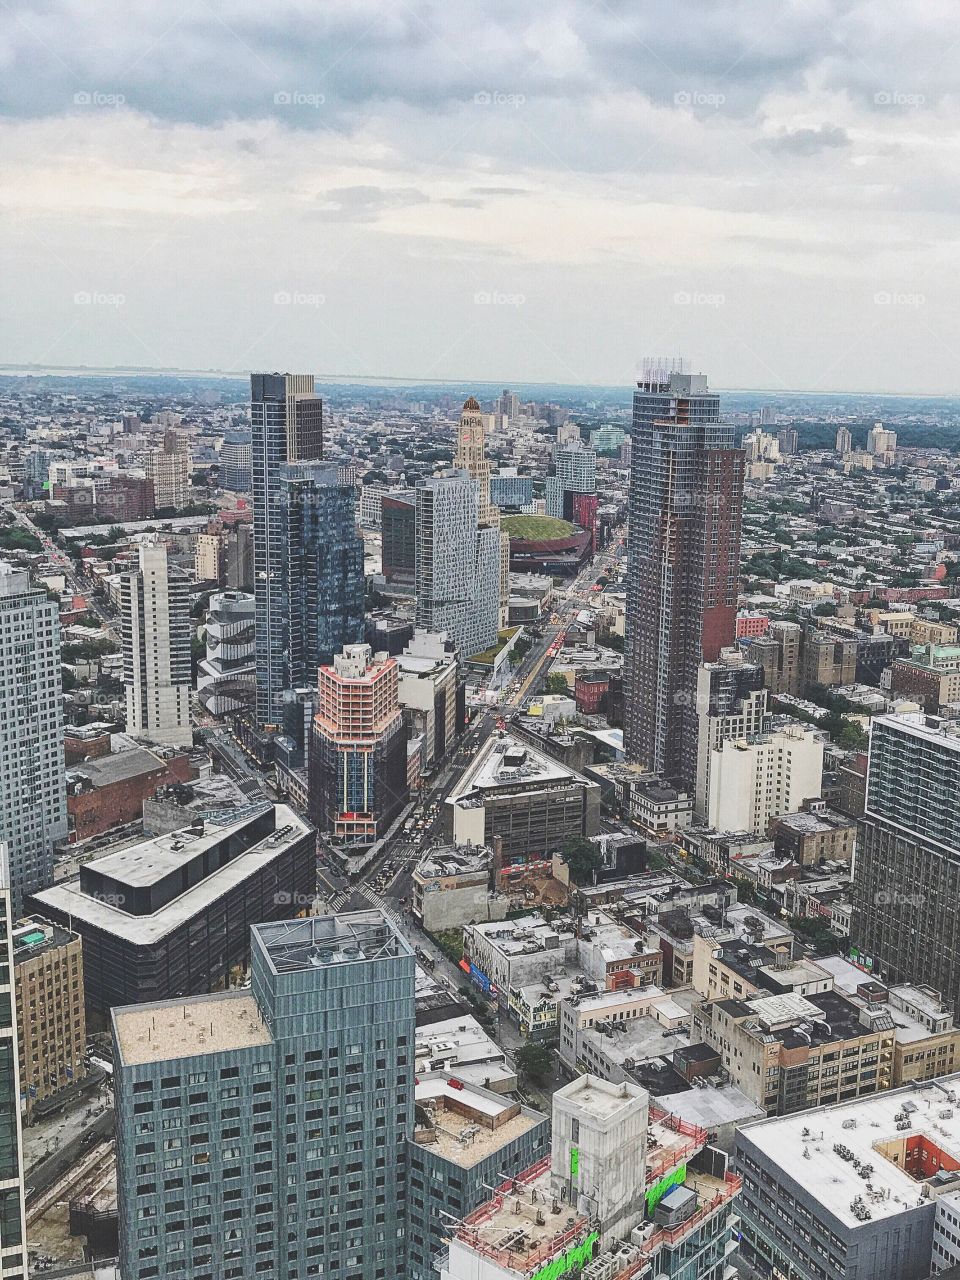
(452, 887)
(108, 789)
(460, 1046)
(816, 834)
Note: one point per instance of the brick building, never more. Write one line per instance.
(51, 1021)
(107, 788)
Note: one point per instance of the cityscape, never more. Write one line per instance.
(479, 641)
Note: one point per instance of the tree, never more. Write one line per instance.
(534, 1061)
(582, 858)
(556, 683)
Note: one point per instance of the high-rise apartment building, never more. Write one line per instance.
(844, 441)
(324, 565)
(882, 443)
(51, 1019)
(778, 652)
(265, 1132)
(458, 568)
(155, 609)
(731, 703)
(170, 475)
(209, 559)
(905, 925)
(226, 677)
(471, 456)
(508, 405)
(13, 1224)
(683, 556)
(398, 537)
(754, 780)
(33, 801)
(235, 462)
(287, 426)
(571, 492)
(358, 758)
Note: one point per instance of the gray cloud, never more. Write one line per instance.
(809, 142)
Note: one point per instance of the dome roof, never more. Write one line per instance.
(471, 406)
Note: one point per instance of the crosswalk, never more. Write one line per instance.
(337, 902)
(376, 900)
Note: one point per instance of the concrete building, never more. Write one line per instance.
(882, 444)
(172, 914)
(778, 652)
(427, 690)
(13, 1224)
(905, 926)
(33, 807)
(358, 765)
(860, 1189)
(828, 659)
(292, 1104)
(209, 558)
(227, 676)
(683, 552)
(466, 1140)
(51, 1020)
(731, 702)
(287, 427)
(844, 442)
(452, 887)
(470, 455)
(169, 473)
(458, 564)
(788, 1052)
(235, 462)
(516, 793)
(754, 780)
(816, 834)
(155, 610)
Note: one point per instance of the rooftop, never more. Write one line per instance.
(504, 763)
(467, 1123)
(320, 941)
(844, 1155)
(189, 1028)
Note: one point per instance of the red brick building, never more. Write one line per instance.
(107, 789)
(590, 690)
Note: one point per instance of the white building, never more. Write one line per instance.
(156, 648)
(427, 690)
(170, 473)
(753, 780)
(227, 676)
(33, 805)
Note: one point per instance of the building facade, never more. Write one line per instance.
(13, 1219)
(51, 1020)
(398, 537)
(156, 648)
(265, 1132)
(227, 676)
(683, 558)
(33, 803)
(170, 475)
(235, 462)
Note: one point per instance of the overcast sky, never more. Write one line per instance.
(507, 190)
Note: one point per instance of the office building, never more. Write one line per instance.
(531, 802)
(324, 559)
(458, 564)
(235, 462)
(427, 690)
(13, 1225)
(857, 1190)
(907, 872)
(731, 702)
(398, 537)
(467, 1139)
(683, 558)
(287, 427)
(510, 491)
(239, 554)
(33, 806)
(227, 676)
(169, 474)
(358, 759)
(629, 1192)
(470, 455)
(171, 915)
(293, 1104)
(51, 1020)
(754, 780)
(155, 610)
(508, 405)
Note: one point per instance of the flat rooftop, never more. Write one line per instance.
(517, 1227)
(189, 1028)
(804, 1147)
(320, 941)
(506, 763)
(468, 1123)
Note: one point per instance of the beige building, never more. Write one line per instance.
(170, 473)
(754, 780)
(208, 558)
(790, 1052)
(52, 1029)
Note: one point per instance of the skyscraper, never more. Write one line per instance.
(155, 609)
(683, 557)
(907, 870)
(458, 564)
(324, 565)
(471, 456)
(264, 1132)
(287, 426)
(33, 802)
(13, 1231)
(235, 462)
(169, 472)
(844, 440)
